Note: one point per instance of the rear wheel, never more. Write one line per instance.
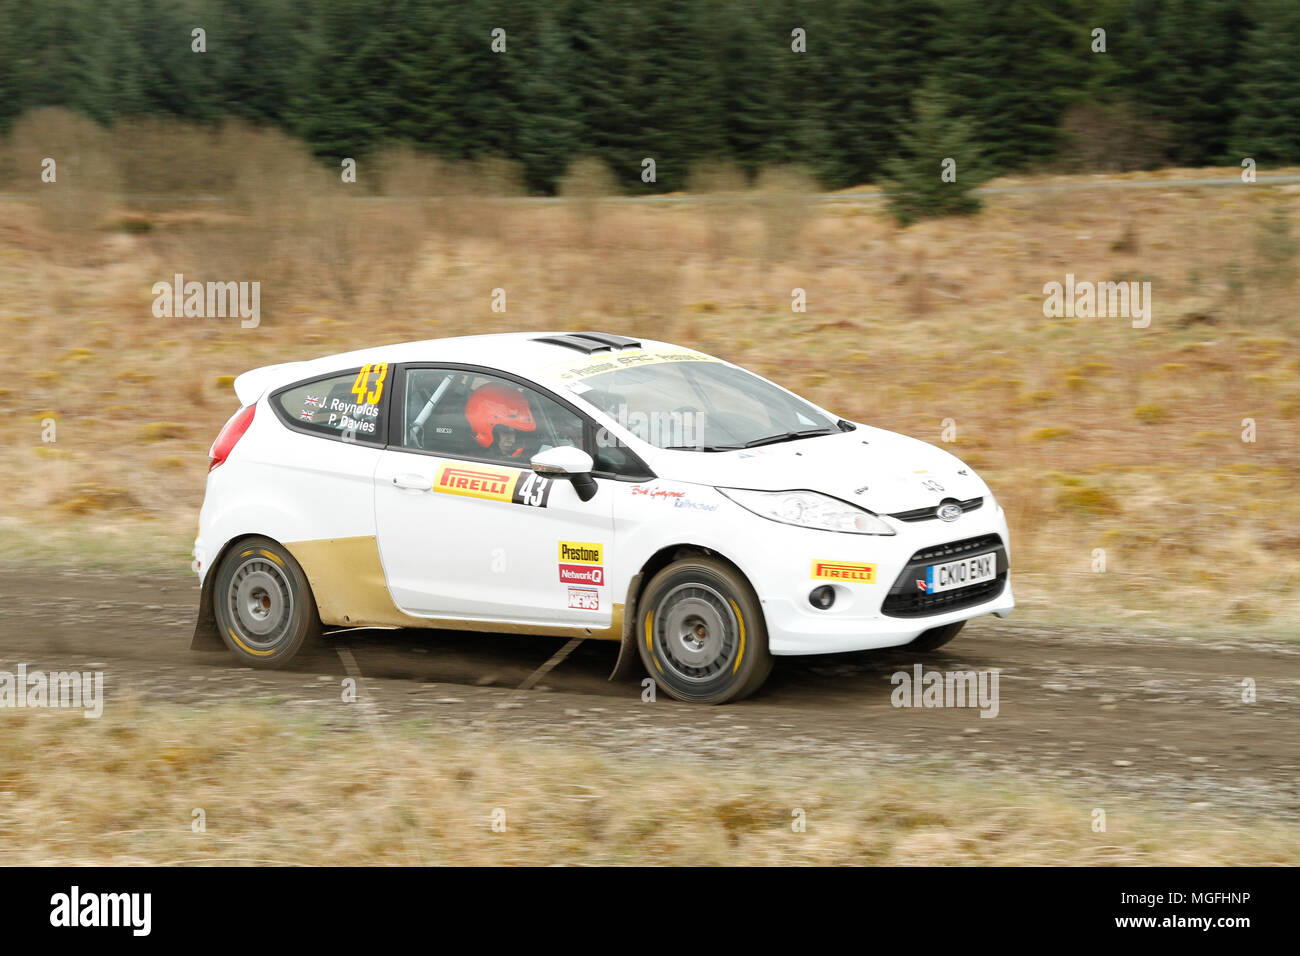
(263, 604)
(935, 637)
(701, 632)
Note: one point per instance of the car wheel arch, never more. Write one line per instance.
(676, 552)
(629, 659)
(206, 636)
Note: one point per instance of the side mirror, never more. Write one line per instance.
(567, 462)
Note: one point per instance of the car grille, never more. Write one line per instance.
(922, 514)
(904, 600)
(956, 549)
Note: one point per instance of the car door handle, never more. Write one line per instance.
(413, 482)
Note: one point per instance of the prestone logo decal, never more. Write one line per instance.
(844, 571)
(582, 552)
(628, 358)
(580, 563)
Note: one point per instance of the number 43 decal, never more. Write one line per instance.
(369, 393)
(531, 490)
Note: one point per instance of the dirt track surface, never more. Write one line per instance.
(1109, 713)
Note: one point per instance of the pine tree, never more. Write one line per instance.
(799, 133)
(877, 56)
(615, 83)
(344, 102)
(683, 86)
(13, 93)
(550, 130)
(253, 56)
(174, 80)
(1001, 61)
(1267, 126)
(1180, 58)
(915, 182)
(488, 114)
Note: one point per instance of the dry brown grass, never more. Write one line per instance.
(122, 790)
(1093, 434)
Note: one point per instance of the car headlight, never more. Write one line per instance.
(808, 509)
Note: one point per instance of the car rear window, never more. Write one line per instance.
(348, 406)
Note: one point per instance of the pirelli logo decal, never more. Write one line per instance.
(844, 571)
(476, 482)
(494, 484)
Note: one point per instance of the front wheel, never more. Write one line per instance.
(263, 604)
(701, 632)
(935, 637)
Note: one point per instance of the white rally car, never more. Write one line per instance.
(584, 485)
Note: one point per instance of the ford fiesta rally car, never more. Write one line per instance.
(584, 485)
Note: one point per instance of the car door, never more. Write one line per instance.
(466, 530)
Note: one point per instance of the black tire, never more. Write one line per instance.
(935, 637)
(264, 607)
(701, 632)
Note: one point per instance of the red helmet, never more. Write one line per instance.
(493, 405)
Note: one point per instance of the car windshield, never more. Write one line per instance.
(701, 406)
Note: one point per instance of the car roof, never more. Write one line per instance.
(521, 353)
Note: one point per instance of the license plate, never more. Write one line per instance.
(962, 573)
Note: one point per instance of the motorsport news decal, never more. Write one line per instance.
(581, 562)
(495, 484)
(584, 599)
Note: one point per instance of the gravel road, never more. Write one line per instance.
(1106, 711)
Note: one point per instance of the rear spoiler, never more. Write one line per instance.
(255, 383)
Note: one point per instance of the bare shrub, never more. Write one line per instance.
(724, 185)
(586, 183)
(1109, 138)
(165, 159)
(87, 181)
(406, 173)
(288, 222)
(472, 197)
(786, 197)
(273, 171)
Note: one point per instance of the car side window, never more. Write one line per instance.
(470, 414)
(611, 457)
(348, 406)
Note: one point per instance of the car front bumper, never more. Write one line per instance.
(882, 611)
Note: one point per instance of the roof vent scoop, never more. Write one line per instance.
(590, 342)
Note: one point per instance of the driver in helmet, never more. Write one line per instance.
(497, 415)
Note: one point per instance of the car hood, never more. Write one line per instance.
(879, 470)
